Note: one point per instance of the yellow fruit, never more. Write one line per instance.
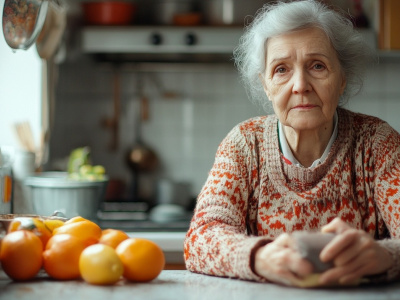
(34, 225)
(53, 224)
(98, 169)
(85, 169)
(143, 260)
(99, 264)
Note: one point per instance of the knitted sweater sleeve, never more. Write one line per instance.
(387, 190)
(217, 242)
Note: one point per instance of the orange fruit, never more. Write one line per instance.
(21, 254)
(75, 220)
(100, 264)
(35, 225)
(143, 260)
(112, 237)
(61, 256)
(80, 228)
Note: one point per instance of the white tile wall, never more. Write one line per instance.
(381, 93)
(185, 131)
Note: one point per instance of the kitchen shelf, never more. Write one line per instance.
(156, 39)
(161, 43)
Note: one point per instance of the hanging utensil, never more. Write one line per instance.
(47, 44)
(112, 123)
(48, 41)
(23, 21)
(141, 158)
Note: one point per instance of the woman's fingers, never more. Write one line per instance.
(354, 254)
(336, 226)
(293, 260)
(362, 265)
(279, 262)
(364, 243)
(338, 244)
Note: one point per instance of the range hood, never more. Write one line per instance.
(161, 44)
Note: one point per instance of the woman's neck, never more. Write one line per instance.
(308, 145)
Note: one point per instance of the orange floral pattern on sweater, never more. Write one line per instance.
(252, 195)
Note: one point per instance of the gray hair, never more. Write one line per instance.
(280, 18)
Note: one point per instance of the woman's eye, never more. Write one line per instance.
(319, 66)
(280, 70)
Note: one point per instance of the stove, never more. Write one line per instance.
(137, 217)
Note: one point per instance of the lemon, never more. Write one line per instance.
(53, 224)
(99, 264)
(98, 169)
(85, 170)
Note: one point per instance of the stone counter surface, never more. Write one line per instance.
(184, 285)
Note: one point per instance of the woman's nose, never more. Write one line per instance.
(301, 82)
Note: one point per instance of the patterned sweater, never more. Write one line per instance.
(252, 195)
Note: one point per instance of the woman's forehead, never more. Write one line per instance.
(310, 41)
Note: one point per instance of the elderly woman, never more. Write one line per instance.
(312, 166)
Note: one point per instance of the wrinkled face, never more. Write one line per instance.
(303, 78)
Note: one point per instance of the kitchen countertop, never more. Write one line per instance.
(184, 285)
(168, 241)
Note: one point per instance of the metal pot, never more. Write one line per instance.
(109, 12)
(229, 12)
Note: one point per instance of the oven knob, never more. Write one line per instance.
(156, 39)
(190, 39)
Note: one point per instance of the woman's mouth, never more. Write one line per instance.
(304, 106)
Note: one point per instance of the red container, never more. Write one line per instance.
(109, 13)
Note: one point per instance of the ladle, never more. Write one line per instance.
(141, 158)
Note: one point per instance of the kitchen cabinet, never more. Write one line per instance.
(389, 24)
(185, 285)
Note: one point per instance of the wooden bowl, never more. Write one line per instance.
(5, 220)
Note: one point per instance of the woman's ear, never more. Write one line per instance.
(264, 85)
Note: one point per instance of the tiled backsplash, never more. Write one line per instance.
(184, 130)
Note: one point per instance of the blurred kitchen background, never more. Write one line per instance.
(180, 105)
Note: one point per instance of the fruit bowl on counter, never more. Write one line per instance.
(58, 191)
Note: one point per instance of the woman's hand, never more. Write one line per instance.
(280, 262)
(354, 254)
